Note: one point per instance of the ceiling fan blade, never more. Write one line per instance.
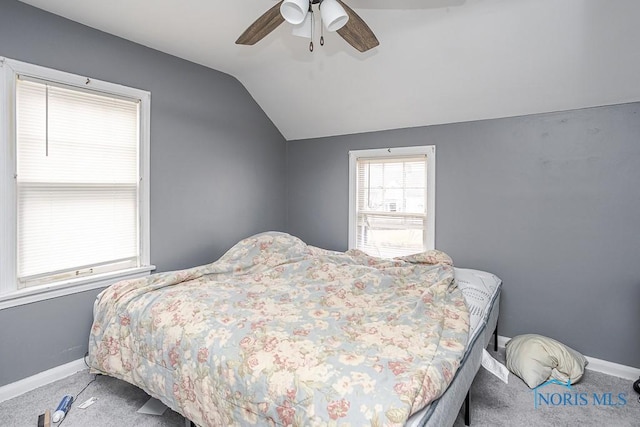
(262, 26)
(356, 32)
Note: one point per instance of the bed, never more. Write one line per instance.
(482, 293)
(277, 332)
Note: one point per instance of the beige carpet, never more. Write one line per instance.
(495, 404)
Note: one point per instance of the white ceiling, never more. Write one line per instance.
(439, 61)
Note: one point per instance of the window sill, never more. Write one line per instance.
(69, 287)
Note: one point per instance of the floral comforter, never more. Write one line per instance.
(277, 332)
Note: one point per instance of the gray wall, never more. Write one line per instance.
(550, 203)
(217, 169)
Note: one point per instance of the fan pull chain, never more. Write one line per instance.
(46, 129)
(313, 25)
(321, 32)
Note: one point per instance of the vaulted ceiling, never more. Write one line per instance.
(439, 61)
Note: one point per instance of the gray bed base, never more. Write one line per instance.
(444, 411)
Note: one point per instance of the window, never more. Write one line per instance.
(74, 205)
(391, 200)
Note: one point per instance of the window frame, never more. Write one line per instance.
(427, 150)
(10, 295)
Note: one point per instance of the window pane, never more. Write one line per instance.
(415, 200)
(389, 236)
(64, 228)
(77, 163)
(375, 175)
(392, 175)
(391, 216)
(67, 136)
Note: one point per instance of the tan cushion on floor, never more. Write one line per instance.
(535, 359)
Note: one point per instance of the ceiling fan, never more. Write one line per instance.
(336, 16)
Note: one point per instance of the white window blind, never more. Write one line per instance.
(77, 182)
(391, 205)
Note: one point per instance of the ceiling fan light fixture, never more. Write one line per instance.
(333, 15)
(304, 29)
(294, 11)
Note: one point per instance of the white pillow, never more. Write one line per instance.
(535, 359)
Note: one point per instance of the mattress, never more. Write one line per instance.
(481, 291)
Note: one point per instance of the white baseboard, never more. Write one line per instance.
(615, 369)
(17, 388)
(502, 341)
(598, 365)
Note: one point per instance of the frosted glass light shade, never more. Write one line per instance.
(333, 15)
(305, 29)
(294, 11)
